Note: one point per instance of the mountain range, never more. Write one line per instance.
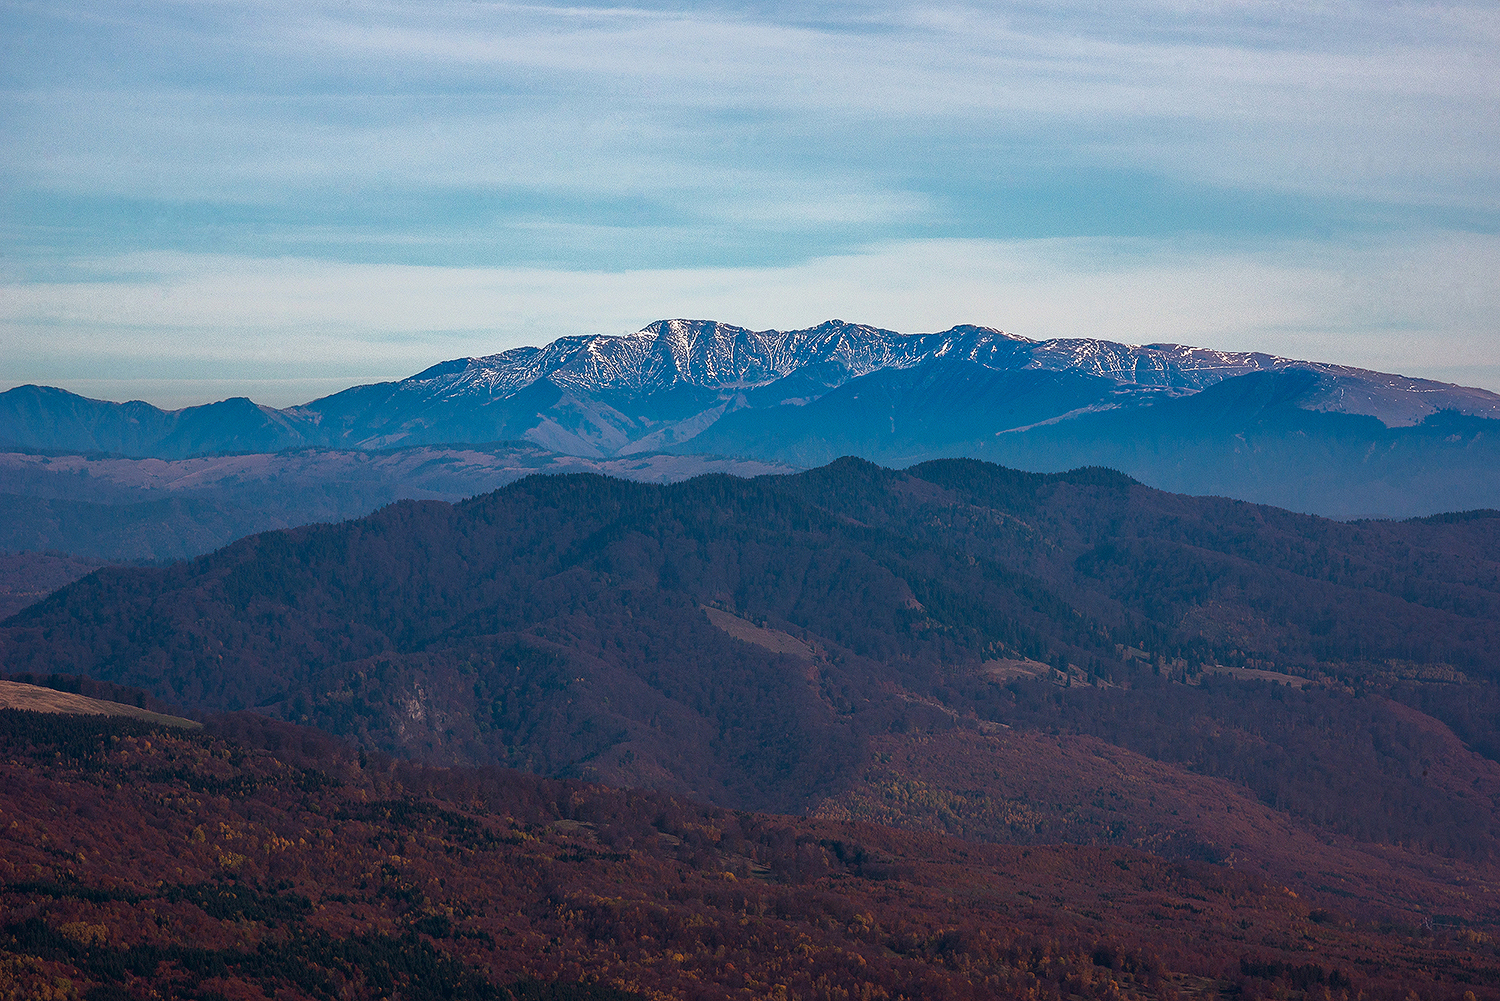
(1256, 746)
(1315, 437)
(752, 643)
(684, 720)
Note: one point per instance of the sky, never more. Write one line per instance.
(205, 199)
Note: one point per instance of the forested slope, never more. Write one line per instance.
(253, 860)
(559, 626)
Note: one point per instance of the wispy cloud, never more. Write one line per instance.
(749, 140)
(142, 316)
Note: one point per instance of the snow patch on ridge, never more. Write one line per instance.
(725, 359)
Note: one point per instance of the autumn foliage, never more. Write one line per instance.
(255, 860)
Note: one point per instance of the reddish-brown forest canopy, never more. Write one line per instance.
(256, 860)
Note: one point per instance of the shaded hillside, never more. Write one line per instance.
(560, 626)
(254, 861)
(26, 578)
(167, 528)
(1260, 437)
(43, 417)
(111, 508)
(1328, 833)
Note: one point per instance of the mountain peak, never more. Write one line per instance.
(804, 396)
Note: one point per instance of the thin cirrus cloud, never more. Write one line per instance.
(659, 151)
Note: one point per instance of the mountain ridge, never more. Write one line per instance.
(956, 648)
(810, 395)
(435, 630)
(710, 355)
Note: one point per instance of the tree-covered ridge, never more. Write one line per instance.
(141, 861)
(557, 626)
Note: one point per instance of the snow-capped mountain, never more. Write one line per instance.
(804, 396)
(701, 353)
(661, 387)
(718, 356)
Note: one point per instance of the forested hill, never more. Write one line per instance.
(744, 640)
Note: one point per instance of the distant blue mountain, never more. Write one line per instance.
(1316, 437)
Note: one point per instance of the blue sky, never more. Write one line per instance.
(204, 199)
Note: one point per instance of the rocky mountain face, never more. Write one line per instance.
(1372, 443)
